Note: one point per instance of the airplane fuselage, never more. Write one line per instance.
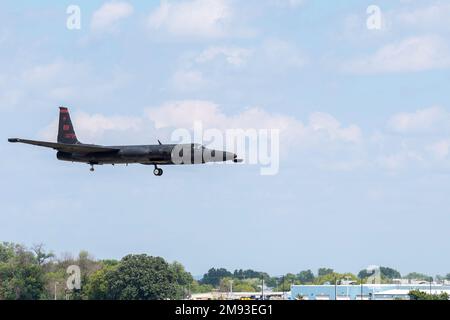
(166, 154)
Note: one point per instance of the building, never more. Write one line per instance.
(363, 292)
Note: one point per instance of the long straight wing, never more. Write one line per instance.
(64, 147)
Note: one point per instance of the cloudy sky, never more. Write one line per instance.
(364, 116)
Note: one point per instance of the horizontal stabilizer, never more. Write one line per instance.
(64, 147)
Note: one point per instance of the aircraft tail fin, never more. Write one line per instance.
(66, 132)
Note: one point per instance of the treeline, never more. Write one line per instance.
(34, 273)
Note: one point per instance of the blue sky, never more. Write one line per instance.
(364, 118)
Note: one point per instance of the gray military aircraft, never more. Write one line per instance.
(70, 149)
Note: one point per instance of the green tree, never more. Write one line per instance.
(418, 276)
(6, 251)
(390, 273)
(324, 271)
(285, 284)
(305, 277)
(246, 285)
(183, 278)
(21, 276)
(250, 274)
(272, 282)
(420, 295)
(213, 276)
(387, 274)
(196, 287)
(109, 262)
(41, 255)
(330, 278)
(97, 287)
(142, 277)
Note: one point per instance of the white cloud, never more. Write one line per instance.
(91, 128)
(400, 160)
(410, 55)
(59, 81)
(214, 65)
(324, 122)
(391, 162)
(44, 73)
(195, 18)
(440, 149)
(94, 125)
(106, 17)
(435, 16)
(184, 113)
(424, 139)
(422, 120)
(321, 127)
(233, 55)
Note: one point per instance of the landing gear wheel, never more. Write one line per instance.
(157, 172)
(92, 168)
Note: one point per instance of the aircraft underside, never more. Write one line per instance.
(105, 159)
(111, 159)
(115, 158)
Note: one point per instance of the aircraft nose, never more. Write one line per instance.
(219, 156)
(229, 156)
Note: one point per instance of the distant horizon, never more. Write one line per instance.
(198, 276)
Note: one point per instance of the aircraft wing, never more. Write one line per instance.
(64, 147)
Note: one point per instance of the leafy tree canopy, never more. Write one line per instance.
(330, 278)
(420, 295)
(249, 274)
(386, 272)
(20, 274)
(324, 271)
(305, 276)
(247, 285)
(213, 276)
(418, 276)
(142, 277)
